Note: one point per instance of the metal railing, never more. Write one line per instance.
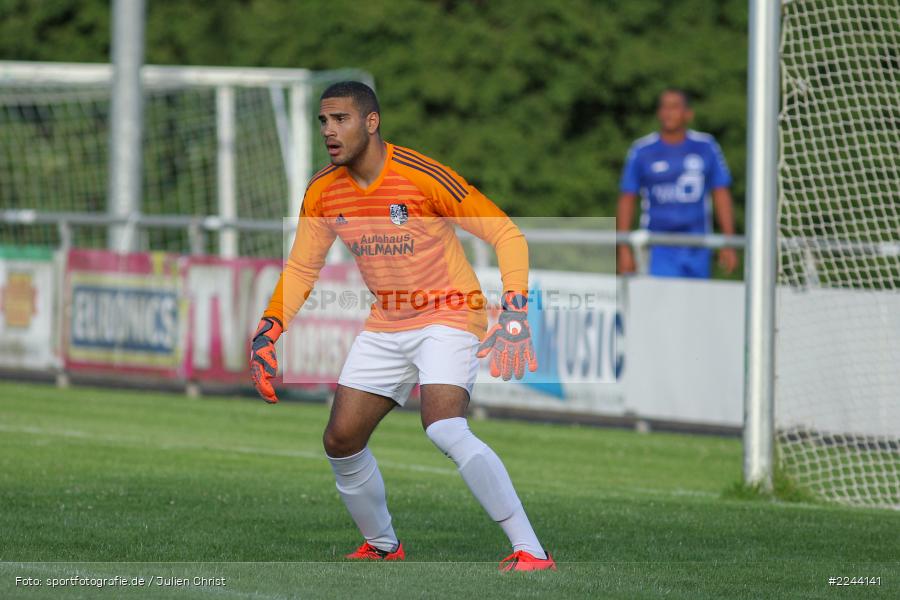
(199, 227)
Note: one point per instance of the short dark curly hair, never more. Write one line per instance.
(363, 96)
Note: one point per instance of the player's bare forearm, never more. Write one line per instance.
(625, 211)
(724, 209)
(624, 218)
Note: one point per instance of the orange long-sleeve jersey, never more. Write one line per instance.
(400, 231)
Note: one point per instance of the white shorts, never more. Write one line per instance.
(391, 363)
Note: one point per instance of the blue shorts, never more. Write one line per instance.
(667, 261)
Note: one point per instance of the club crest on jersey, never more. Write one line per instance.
(399, 214)
(693, 162)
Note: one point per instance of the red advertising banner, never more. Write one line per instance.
(319, 338)
(227, 298)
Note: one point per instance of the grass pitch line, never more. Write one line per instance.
(128, 442)
(675, 492)
(306, 455)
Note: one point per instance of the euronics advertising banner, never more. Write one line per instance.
(124, 312)
(27, 309)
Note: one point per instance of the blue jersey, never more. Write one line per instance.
(675, 181)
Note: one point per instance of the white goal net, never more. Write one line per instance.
(241, 139)
(837, 402)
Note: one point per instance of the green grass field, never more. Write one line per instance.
(99, 483)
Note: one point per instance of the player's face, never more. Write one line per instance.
(673, 112)
(345, 130)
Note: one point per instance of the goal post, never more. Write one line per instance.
(835, 381)
(759, 328)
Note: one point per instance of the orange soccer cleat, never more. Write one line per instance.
(523, 561)
(369, 552)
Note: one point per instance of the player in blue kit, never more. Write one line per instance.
(677, 172)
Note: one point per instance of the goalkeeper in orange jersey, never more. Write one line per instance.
(395, 209)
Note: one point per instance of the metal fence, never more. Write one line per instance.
(199, 228)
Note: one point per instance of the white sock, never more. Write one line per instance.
(522, 537)
(486, 476)
(361, 488)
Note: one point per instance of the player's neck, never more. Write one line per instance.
(368, 165)
(675, 136)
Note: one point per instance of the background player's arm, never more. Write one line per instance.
(629, 186)
(723, 207)
(624, 219)
(306, 259)
(720, 178)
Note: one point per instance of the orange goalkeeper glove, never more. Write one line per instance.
(263, 363)
(509, 341)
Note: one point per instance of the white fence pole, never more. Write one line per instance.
(225, 169)
(301, 168)
(126, 120)
(301, 142)
(761, 256)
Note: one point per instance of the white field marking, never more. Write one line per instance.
(677, 492)
(304, 454)
(122, 441)
(58, 569)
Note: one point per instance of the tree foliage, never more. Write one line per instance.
(534, 102)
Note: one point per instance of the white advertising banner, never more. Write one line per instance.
(662, 349)
(27, 315)
(685, 350)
